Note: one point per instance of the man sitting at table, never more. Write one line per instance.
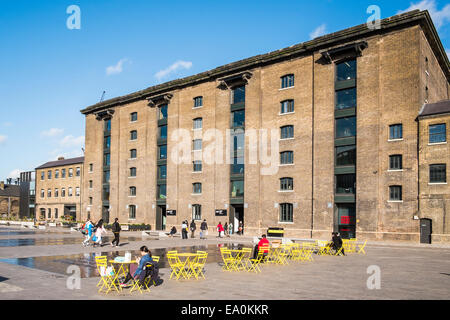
(262, 242)
(146, 257)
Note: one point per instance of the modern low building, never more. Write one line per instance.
(58, 188)
(27, 194)
(9, 200)
(317, 137)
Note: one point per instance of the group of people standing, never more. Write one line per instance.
(223, 230)
(96, 231)
(228, 230)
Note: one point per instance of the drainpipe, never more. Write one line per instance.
(312, 152)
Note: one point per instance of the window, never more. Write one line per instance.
(108, 125)
(437, 133)
(70, 172)
(238, 140)
(42, 193)
(49, 174)
(63, 192)
(198, 102)
(162, 152)
(238, 95)
(77, 191)
(56, 193)
(56, 213)
(197, 187)
(395, 193)
(346, 156)
(91, 167)
(106, 159)
(237, 189)
(42, 175)
(286, 184)
(238, 165)
(49, 193)
(132, 172)
(438, 173)
(345, 127)
(197, 166)
(70, 193)
(133, 116)
(105, 195)
(162, 132)
(287, 132)
(395, 162)
(286, 212)
(106, 176)
(346, 70)
(133, 135)
(63, 173)
(287, 81)
(197, 144)
(162, 172)
(345, 183)
(346, 99)
(395, 131)
(287, 157)
(132, 191)
(132, 211)
(78, 171)
(238, 118)
(107, 142)
(163, 112)
(90, 200)
(91, 183)
(162, 191)
(287, 106)
(133, 154)
(196, 212)
(198, 123)
(49, 216)
(56, 174)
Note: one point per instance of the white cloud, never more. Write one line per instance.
(14, 174)
(71, 141)
(174, 67)
(7, 124)
(319, 31)
(53, 132)
(3, 139)
(440, 17)
(116, 69)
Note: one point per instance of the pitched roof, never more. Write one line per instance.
(60, 163)
(440, 107)
(11, 190)
(404, 20)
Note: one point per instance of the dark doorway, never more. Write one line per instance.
(70, 211)
(161, 218)
(346, 220)
(425, 230)
(236, 216)
(105, 214)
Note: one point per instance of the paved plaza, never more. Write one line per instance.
(33, 265)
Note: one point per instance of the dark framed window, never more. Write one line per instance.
(56, 193)
(287, 132)
(133, 135)
(163, 112)
(106, 176)
(133, 172)
(346, 99)
(346, 156)
(346, 70)
(105, 194)
(49, 193)
(395, 193)
(438, 173)
(162, 152)
(437, 133)
(90, 200)
(91, 184)
(70, 172)
(133, 191)
(396, 162)
(345, 183)
(237, 167)
(106, 159)
(77, 191)
(287, 81)
(133, 116)
(56, 174)
(197, 166)
(286, 212)
(133, 154)
(162, 191)
(42, 193)
(197, 212)
(162, 132)
(49, 213)
(198, 102)
(162, 172)
(132, 211)
(70, 192)
(238, 118)
(91, 167)
(63, 192)
(238, 140)
(395, 131)
(197, 144)
(286, 184)
(237, 188)
(42, 175)
(345, 127)
(63, 173)
(107, 142)
(49, 174)
(108, 125)
(287, 106)
(197, 187)
(238, 95)
(56, 213)
(198, 123)
(287, 157)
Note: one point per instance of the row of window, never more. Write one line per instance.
(437, 133)
(63, 192)
(63, 173)
(49, 213)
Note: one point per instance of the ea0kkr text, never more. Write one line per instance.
(246, 309)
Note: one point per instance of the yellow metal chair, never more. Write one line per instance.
(283, 254)
(106, 280)
(198, 264)
(323, 247)
(103, 260)
(177, 267)
(229, 263)
(253, 264)
(361, 247)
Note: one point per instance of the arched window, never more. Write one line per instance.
(197, 187)
(287, 157)
(286, 184)
(287, 81)
(133, 191)
(132, 211)
(133, 172)
(196, 212)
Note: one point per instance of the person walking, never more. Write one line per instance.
(230, 229)
(116, 231)
(99, 231)
(220, 229)
(241, 228)
(184, 230)
(204, 229)
(337, 242)
(225, 228)
(193, 228)
(88, 227)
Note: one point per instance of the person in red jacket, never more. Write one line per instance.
(262, 242)
(220, 229)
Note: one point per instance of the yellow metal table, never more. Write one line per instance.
(121, 271)
(186, 259)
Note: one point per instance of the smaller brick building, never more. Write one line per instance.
(9, 200)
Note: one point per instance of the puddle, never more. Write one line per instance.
(61, 241)
(86, 261)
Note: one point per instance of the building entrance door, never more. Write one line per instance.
(161, 218)
(425, 230)
(346, 220)
(236, 216)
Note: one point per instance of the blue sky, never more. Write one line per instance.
(49, 72)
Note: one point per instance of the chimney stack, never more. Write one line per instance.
(2, 185)
(60, 158)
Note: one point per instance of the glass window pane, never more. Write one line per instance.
(346, 70)
(437, 133)
(237, 188)
(197, 166)
(287, 106)
(163, 152)
(198, 123)
(346, 156)
(239, 94)
(346, 99)
(107, 142)
(345, 183)
(162, 172)
(287, 132)
(238, 165)
(396, 131)
(346, 127)
(162, 191)
(108, 125)
(163, 112)
(238, 118)
(163, 132)
(438, 173)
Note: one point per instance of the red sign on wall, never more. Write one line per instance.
(345, 219)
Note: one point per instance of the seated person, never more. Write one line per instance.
(337, 242)
(173, 231)
(146, 257)
(262, 242)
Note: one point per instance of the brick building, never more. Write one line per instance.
(9, 200)
(302, 138)
(58, 189)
